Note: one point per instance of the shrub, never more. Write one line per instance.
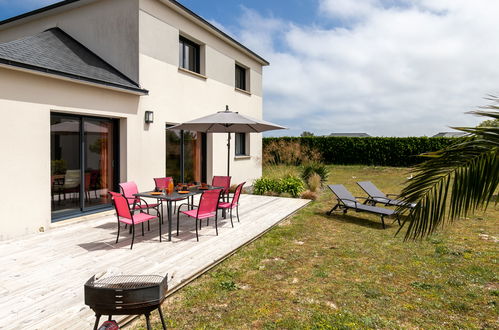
(307, 194)
(311, 168)
(290, 184)
(382, 151)
(265, 185)
(314, 182)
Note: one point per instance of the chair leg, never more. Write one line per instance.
(197, 235)
(143, 228)
(162, 318)
(232, 223)
(237, 213)
(133, 235)
(216, 224)
(118, 235)
(383, 221)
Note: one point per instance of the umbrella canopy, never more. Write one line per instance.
(227, 122)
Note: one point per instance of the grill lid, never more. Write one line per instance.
(127, 281)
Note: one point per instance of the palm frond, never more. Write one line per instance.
(455, 181)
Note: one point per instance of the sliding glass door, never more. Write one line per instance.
(186, 156)
(83, 163)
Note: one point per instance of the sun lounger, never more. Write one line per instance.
(347, 201)
(377, 196)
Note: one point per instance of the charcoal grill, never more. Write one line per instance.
(126, 295)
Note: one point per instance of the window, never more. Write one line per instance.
(240, 77)
(189, 55)
(241, 144)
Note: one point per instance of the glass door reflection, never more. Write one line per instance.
(65, 164)
(98, 160)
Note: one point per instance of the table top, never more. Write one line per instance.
(194, 190)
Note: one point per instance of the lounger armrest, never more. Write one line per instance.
(394, 195)
(349, 200)
(381, 197)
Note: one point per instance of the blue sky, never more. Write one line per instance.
(384, 67)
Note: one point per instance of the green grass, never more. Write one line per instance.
(344, 272)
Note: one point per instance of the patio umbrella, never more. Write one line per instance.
(227, 122)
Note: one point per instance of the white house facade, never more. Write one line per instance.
(80, 83)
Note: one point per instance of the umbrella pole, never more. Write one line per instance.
(228, 154)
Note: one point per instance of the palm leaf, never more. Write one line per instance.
(455, 181)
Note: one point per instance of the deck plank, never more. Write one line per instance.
(43, 274)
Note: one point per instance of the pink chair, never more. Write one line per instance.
(162, 182)
(233, 204)
(222, 181)
(128, 189)
(206, 209)
(125, 216)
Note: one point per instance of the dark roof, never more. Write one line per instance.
(55, 52)
(350, 134)
(187, 10)
(450, 134)
(38, 11)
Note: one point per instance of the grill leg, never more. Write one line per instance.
(148, 322)
(97, 318)
(161, 317)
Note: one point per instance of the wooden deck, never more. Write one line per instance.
(42, 275)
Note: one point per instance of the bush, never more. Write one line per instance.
(381, 151)
(307, 194)
(314, 168)
(314, 182)
(291, 185)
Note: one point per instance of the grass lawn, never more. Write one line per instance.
(343, 271)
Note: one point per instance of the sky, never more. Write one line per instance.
(382, 67)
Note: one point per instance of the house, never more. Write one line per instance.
(87, 90)
(350, 134)
(450, 134)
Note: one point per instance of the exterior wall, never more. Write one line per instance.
(176, 96)
(26, 101)
(109, 28)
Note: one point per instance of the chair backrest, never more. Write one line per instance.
(342, 193)
(162, 182)
(237, 193)
(371, 189)
(128, 189)
(221, 181)
(209, 201)
(121, 205)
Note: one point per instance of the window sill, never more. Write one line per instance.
(242, 91)
(195, 74)
(241, 157)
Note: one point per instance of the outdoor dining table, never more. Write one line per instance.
(172, 197)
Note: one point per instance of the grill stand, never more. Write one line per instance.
(146, 312)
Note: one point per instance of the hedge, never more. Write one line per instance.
(382, 151)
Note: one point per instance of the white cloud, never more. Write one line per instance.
(395, 68)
